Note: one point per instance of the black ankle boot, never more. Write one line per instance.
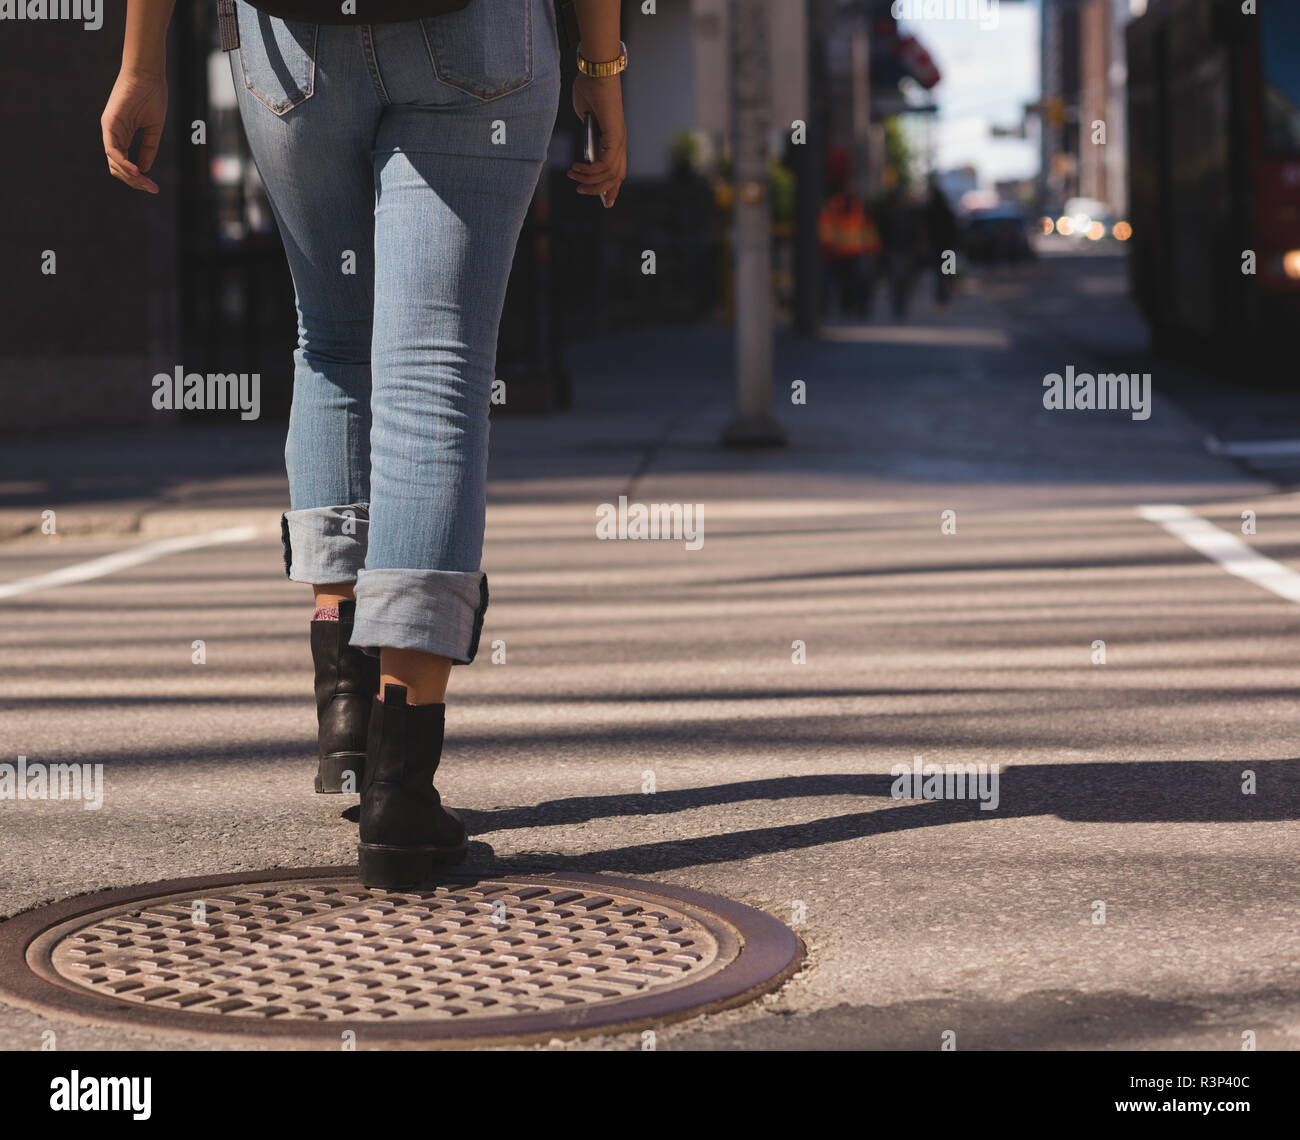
(406, 833)
(346, 683)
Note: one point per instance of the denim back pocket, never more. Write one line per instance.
(278, 58)
(485, 49)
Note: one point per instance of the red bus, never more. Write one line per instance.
(1214, 170)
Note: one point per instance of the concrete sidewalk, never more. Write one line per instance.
(623, 659)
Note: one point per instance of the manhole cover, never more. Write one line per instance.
(311, 953)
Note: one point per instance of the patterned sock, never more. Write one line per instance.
(326, 613)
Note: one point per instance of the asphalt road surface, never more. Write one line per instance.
(1135, 885)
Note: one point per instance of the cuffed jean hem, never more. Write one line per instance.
(325, 545)
(433, 611)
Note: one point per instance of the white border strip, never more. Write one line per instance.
(110, 563)
(1226, 549)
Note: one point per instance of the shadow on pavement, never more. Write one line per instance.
(1140, 792)
(1041, 1019)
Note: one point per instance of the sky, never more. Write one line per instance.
(988, 75)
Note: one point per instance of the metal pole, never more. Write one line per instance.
(753, 425)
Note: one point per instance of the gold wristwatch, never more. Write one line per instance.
(604, 70)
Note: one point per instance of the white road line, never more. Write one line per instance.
(1252, 449)
(110, 563)
(1226, 549)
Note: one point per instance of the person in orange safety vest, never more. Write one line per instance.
(850, 244)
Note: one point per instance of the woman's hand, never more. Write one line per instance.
(137, 103)
(603, 98)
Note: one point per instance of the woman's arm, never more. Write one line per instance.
(138, 101)
(598, 24)
(144, 51)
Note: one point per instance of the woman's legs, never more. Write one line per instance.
(444, 241)
(310, 111)
(400, 160)
(423, 675)
(399, 299)
(454, 175)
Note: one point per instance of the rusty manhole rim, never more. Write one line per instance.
(766, 954)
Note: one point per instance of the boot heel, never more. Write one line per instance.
(403, 868)
(335, 768)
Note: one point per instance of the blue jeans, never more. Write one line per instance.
(400, 160)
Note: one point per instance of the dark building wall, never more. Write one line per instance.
(81, 345)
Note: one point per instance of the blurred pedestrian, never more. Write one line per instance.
(942, 236)
(850, 244)
(901, 237)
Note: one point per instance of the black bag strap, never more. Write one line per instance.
(227, 24)
(567, 21)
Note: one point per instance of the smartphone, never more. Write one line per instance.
(591, 136)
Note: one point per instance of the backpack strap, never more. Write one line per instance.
(567, 21)
(227, 24)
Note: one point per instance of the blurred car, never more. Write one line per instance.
(998, 233)
(1088, 219)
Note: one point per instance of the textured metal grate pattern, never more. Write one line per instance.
(332, 951)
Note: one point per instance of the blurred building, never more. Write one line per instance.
(684, 45)
(684, 49)
(1084, 80)
(106, 287)
(89, 272)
